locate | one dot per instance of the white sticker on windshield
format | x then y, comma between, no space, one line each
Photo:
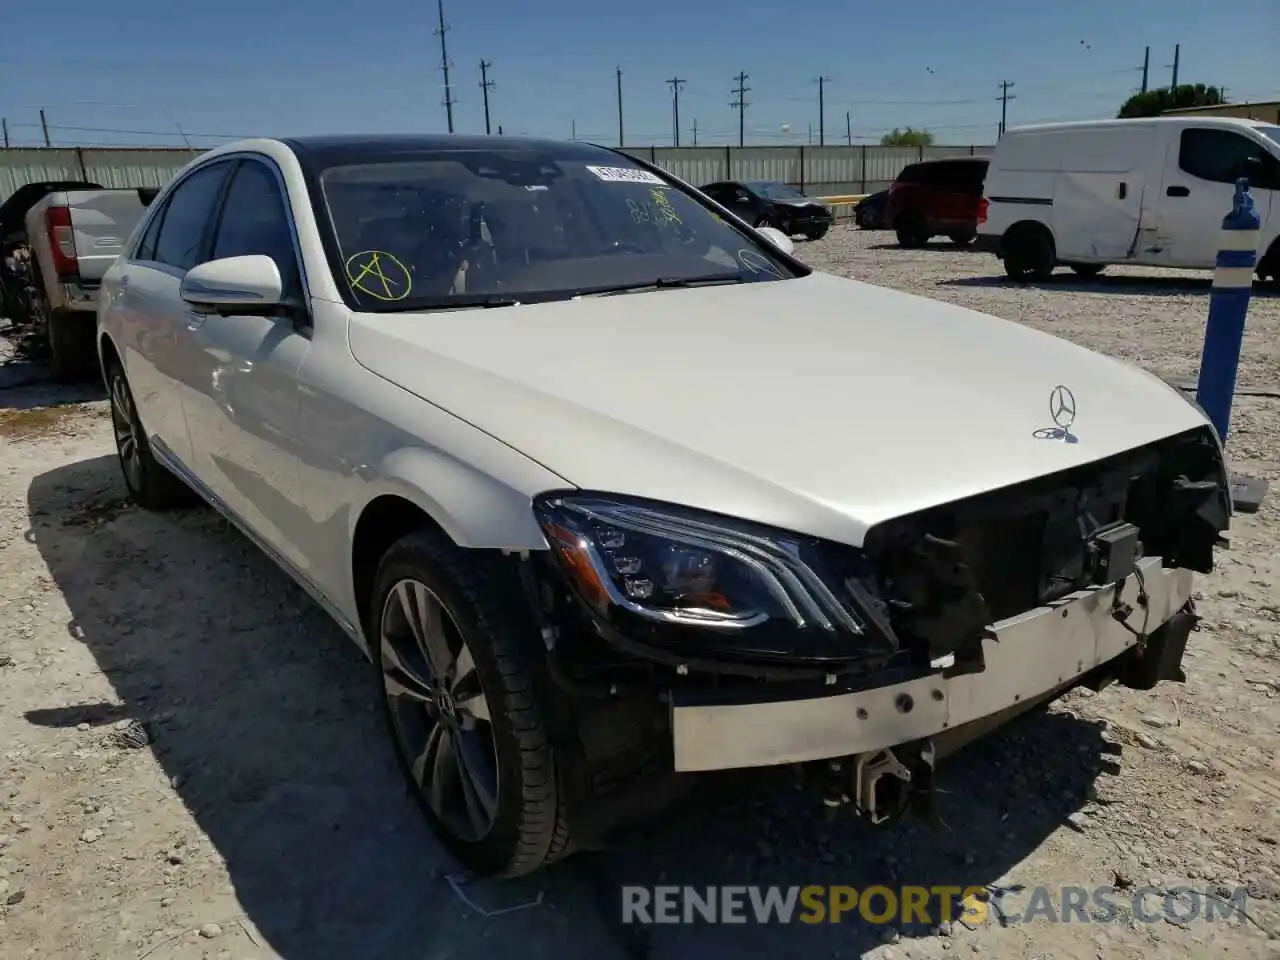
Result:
626,175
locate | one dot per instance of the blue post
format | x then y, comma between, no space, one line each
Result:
1228,306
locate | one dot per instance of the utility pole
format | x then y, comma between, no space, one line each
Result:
573,129
1146,68
695,131
44,125
1004,98
620,139
740,104
848,128
4,123
441,29
674,83
1177,55
485,85
822,111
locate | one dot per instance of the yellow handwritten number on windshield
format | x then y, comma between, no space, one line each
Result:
378,274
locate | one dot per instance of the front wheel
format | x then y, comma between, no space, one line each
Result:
816,233
762,221
458,697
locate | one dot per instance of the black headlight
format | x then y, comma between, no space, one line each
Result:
711,585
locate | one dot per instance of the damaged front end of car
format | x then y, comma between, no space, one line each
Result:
680,641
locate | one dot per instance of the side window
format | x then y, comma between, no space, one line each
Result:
912,173
147,246
255,221
741,193
1216,155
186,216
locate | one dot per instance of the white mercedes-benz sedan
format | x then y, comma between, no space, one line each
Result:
612,489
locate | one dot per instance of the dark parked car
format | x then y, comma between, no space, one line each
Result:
869,211
935,197
769,204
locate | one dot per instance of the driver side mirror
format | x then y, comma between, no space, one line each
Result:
250,284
778,239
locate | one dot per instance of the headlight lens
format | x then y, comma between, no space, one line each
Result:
670,566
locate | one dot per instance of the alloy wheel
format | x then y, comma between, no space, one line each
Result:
439,711
124,426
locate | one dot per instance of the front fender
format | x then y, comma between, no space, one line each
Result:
474,508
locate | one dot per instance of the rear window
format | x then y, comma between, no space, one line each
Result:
961,174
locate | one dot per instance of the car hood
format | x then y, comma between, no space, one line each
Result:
820,405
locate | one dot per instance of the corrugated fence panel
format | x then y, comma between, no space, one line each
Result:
885,163
695,165
765,163
832,170
135,168
943,153
19,167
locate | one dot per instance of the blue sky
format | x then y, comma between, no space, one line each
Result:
136,71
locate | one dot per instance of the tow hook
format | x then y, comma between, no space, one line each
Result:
885,784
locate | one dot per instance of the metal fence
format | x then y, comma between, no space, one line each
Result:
819,171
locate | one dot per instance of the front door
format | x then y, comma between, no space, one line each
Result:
1201,169
241,396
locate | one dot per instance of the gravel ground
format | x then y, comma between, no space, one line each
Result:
191,764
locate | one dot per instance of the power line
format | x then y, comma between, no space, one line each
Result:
740,104
822,111
1004,98
441,29
485,86
675,83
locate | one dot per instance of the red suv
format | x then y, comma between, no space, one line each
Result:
937,197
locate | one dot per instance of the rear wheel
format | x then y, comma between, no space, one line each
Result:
73,353
1269,268
1088,269
151,484
912,230
816,233
458,698
1028,254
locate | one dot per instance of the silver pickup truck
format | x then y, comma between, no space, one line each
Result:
71,233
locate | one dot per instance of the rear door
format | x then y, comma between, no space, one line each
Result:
1200,171
955,188
101,221
154,312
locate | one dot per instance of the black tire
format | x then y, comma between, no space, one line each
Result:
816,233
151,484
762,221
526,827
1028,255
73,349
962,239
1087,270
1269,268
912,231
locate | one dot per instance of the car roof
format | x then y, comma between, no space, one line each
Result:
1184,119
355,148
934,161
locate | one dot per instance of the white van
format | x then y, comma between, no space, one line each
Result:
1148,192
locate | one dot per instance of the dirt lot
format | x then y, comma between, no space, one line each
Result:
191,764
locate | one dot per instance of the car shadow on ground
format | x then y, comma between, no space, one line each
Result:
263,715
933,246
1105,283
25,385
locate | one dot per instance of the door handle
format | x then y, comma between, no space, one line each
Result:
1124,190
1176,191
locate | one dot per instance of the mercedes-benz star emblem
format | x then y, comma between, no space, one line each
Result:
1062,407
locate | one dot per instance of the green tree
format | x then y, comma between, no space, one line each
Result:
907,138
1155,102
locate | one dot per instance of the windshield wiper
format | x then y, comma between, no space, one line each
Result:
711,279
462,301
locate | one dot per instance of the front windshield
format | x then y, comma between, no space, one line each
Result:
775,191
463,227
